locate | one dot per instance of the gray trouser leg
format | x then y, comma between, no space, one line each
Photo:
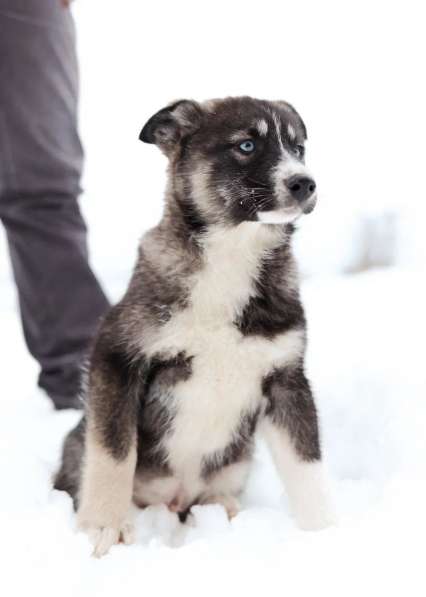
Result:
40,166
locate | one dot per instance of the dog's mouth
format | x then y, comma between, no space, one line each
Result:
287,214
310,204
279,216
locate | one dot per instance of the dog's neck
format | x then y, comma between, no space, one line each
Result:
222,260
184,220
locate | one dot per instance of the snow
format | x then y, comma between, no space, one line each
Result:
366,364
366,329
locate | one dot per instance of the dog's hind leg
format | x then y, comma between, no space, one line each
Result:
68,477
225,486
291,431
229,502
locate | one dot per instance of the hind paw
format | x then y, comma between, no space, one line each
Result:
229,502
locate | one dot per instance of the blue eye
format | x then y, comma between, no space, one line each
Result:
247,146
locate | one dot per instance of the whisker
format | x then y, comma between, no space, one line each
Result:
261,184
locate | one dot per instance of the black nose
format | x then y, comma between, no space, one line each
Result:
300,187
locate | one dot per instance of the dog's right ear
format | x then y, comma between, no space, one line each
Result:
170,125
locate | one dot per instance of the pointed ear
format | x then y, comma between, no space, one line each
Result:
172,124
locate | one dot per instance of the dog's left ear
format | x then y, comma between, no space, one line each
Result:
170,125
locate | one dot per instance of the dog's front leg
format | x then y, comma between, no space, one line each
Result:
106,492
291,430
110,453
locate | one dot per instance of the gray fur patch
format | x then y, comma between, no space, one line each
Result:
291,406
241,447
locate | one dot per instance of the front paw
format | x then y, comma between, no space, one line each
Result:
104,537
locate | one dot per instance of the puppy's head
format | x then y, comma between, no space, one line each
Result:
237,159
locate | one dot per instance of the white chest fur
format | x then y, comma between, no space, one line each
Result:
227,368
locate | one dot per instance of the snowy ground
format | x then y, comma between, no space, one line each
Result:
366,361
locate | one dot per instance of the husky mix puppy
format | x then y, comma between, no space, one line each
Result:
207,346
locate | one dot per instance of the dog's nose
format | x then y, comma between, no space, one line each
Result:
300,187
